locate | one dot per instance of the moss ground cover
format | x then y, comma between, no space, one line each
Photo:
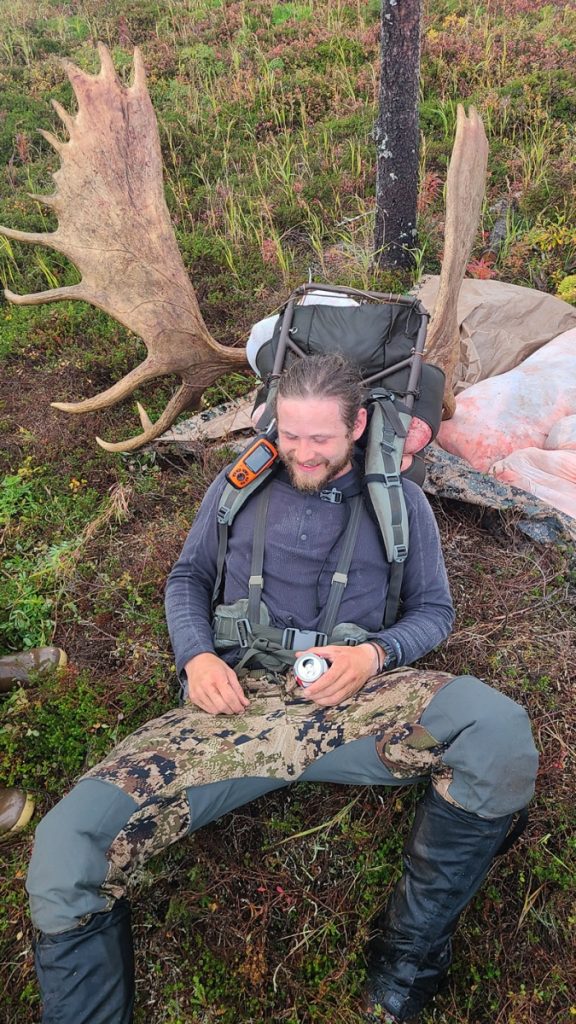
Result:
265,113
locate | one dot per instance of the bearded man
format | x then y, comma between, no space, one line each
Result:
302,569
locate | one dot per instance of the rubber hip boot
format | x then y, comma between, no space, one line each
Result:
446,860
86,975
16,809
19,669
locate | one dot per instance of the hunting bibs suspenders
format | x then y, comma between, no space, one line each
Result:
246,623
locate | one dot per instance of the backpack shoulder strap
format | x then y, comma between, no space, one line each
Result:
231,501
386,435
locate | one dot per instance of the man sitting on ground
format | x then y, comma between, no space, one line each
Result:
247,727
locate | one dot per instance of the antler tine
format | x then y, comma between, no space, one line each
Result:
45,200
140,375
73,291
139,81
107,69
65,117
54,141
185,398
36,237
144,417
82,80
464,194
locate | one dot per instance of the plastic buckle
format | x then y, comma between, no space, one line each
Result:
391,479
400,553
244,631
388,441
223,515
302,639
333,496
387,446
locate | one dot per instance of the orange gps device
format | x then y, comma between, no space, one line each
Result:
258,457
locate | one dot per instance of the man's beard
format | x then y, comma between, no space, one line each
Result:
315,483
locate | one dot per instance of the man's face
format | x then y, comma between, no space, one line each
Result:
314,442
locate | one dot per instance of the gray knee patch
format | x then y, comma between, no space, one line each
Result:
354,764
490,746
69,861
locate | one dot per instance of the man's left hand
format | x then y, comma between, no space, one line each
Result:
350,668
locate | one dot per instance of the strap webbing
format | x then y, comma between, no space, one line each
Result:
256,581
231,501
220,560
340,576
269,654
393,595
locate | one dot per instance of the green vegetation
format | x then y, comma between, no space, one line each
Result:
265,113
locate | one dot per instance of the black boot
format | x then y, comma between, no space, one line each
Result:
445,861
86,975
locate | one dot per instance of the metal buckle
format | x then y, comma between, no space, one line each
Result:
244,631
302,639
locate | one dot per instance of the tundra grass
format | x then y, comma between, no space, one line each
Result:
265,114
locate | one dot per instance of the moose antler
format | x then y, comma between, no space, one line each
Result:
113,223
464,194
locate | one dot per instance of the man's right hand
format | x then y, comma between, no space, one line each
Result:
213,686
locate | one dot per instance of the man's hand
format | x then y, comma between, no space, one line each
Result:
350,668
213,686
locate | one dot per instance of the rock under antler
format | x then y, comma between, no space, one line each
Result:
464,194
113,223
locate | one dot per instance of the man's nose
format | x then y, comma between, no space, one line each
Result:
304,451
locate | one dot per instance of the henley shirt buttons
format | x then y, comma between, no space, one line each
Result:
308,511
304,536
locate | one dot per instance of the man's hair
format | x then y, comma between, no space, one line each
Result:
328,375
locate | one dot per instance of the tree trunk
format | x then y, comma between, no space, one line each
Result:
397,134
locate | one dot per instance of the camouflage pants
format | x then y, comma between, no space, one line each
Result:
187,768
278,736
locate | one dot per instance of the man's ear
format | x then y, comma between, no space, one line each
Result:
360,423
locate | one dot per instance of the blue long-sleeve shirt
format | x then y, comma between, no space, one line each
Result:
302,543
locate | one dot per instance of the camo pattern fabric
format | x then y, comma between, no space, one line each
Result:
277,736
